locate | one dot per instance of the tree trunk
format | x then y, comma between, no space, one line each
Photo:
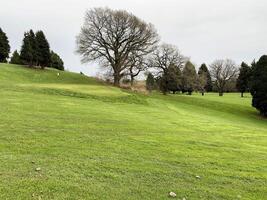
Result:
116,80
220,93
173,92
202,93
242,94
132,81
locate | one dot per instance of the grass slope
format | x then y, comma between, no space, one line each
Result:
94,141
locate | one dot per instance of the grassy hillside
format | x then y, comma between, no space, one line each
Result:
93,141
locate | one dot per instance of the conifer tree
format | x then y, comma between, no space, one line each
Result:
173,78
56,61
15,59
33,43
258,85
189,79
4,47
42,50
242,83
27,51
205,71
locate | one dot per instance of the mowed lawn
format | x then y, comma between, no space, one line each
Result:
93,141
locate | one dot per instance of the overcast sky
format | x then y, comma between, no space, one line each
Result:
203,30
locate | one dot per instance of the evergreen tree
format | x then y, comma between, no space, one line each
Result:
202,81
242,83
189,78
150,82
56,61
173,78
162,83
4,47
27,51
33,43
15,59
42,50
258,85
204,70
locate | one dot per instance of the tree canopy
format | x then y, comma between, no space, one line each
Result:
259,85
27,50
111,36
42,50
56,61
189,80
15,59
4,46
204,74
243,79
223,71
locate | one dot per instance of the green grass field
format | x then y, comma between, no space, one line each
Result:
94,141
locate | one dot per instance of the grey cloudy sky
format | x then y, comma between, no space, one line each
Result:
203,30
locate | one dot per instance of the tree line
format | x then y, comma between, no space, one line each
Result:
125,45
35,51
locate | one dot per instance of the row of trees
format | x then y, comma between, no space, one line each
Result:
126,45
174,72
186,80
35,51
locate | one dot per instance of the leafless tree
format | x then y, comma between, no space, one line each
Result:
166,55
222,71
110,36
137,64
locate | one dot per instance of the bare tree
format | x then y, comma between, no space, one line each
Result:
222,71
137,64
166,55
110,36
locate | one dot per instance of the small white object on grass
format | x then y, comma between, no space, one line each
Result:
57,74
198,177
172,194
38,169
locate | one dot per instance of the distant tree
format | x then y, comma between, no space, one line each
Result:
202,72
4,47
189,78
223,71
242,83
231,85
43,50
27,51
33,43
162,83
150,82
15,59
258,85
165,56
111,36
137,64
168,61
202,81
173,79
56,61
